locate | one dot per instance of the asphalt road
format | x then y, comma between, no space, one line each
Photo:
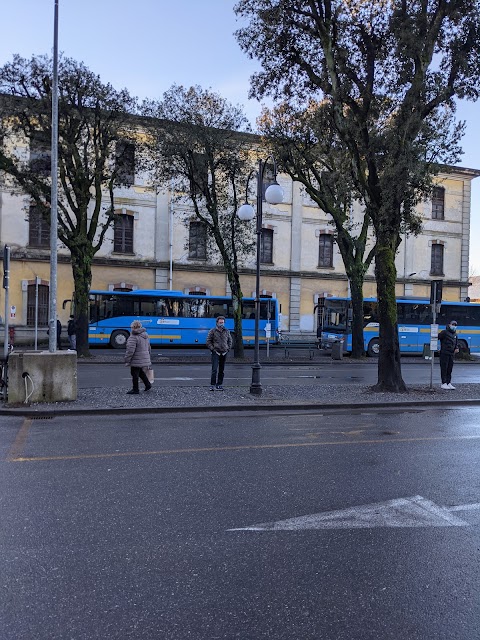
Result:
187,374
171,527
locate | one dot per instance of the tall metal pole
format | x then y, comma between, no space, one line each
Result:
52,322
37,282
6,286
256,386
434,318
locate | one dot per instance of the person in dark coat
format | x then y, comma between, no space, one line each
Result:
219,341
59,333
448,348
72,333
137,356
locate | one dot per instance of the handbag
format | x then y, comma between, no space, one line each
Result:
150,374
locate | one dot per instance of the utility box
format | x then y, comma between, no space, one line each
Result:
42,376
337,350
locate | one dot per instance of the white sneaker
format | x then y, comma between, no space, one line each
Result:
450,386
444,386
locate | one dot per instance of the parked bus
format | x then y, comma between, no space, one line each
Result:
414,320
173,317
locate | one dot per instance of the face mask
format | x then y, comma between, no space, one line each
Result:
220,324
452,327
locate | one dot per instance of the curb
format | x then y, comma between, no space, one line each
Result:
233,408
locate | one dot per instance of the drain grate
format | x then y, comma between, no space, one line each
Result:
41,417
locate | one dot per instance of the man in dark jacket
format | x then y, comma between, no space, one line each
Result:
72,333
448,348
219,341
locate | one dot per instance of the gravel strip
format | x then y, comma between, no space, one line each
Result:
323,395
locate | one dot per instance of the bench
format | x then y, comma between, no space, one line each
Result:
299,342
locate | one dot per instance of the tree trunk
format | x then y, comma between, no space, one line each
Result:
389,367
356,291
238,349
82,278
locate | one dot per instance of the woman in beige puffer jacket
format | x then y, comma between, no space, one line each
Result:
137,356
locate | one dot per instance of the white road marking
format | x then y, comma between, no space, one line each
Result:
403,512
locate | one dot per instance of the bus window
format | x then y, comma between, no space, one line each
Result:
414,313
147,307
197,308
121,306
218,309
370,313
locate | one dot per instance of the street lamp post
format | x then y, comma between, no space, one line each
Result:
273,195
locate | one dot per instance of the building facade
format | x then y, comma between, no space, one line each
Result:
157,243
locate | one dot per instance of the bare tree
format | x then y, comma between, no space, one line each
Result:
93,118
308,149
200,143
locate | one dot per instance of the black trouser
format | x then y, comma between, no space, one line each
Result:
138,372
218,366
446,366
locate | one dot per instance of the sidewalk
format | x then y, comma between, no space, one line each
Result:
188,399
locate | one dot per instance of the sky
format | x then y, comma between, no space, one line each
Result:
148,45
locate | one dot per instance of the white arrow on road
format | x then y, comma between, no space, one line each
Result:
403,512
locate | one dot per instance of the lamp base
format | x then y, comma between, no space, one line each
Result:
256,386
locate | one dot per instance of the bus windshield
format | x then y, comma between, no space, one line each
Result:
335,316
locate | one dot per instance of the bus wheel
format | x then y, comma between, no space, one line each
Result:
373,348
118,339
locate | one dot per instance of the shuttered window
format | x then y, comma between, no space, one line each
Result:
266,246
437,260
42,305
197,241
125,163
123,233
438,203
38,228
325,250
40,161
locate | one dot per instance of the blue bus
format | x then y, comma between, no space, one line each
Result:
414,320
173,317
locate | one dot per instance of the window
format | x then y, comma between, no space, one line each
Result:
123,233
198,174
266,246
325,252
40,154
125,163
38,228
437,260
438,203
42,305
197,241
268,179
